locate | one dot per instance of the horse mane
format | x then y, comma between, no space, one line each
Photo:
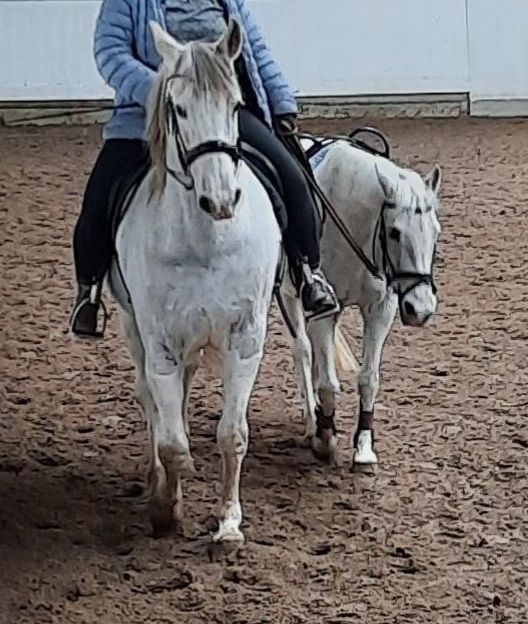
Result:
156,134
211,74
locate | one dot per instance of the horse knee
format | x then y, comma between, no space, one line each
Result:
232,439
301,349
175,458
368,380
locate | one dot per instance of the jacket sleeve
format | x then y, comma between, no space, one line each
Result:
114,57
280,95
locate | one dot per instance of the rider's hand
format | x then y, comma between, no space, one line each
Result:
286,124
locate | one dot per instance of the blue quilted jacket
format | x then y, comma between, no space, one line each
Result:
127,60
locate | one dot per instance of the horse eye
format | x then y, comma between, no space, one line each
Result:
394,234
181,112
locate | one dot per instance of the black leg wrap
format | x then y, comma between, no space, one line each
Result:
324,422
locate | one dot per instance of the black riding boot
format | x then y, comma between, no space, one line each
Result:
84,318
317,295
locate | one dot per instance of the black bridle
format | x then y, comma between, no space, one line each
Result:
188,156
393,275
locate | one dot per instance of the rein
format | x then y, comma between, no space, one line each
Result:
70,113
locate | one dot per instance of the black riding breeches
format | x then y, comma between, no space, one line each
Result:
92,239
302,221
92,243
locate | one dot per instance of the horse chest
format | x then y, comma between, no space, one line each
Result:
205,298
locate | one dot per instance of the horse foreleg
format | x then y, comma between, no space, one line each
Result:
322,334
302,356
232,437
135,346
377,319
143,394
169,440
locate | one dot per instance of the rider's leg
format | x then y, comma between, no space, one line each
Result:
317,295
92,241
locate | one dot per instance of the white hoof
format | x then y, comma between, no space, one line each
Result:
364,458
228,531
234,536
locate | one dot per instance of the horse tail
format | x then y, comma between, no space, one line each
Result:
346,361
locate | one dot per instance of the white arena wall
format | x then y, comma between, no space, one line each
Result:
328,49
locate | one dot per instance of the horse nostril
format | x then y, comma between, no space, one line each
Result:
206,204
409,309
395,235
238,196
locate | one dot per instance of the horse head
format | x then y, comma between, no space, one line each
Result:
409,230
193,118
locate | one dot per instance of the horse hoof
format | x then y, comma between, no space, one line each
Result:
365,468
305,442
225,546
224,543
232,536
364,458
161,518
228,530
325,448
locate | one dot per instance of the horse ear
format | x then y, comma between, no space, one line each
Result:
386,185
231,43
433,179
168,48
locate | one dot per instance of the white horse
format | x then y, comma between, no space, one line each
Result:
392,213
197,253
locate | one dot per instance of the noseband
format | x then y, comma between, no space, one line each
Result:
395,277
188,156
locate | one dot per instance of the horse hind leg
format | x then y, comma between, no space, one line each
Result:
302,356
378,319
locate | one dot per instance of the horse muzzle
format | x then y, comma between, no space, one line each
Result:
220,210
417,306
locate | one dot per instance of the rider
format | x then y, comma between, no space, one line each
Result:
127,60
